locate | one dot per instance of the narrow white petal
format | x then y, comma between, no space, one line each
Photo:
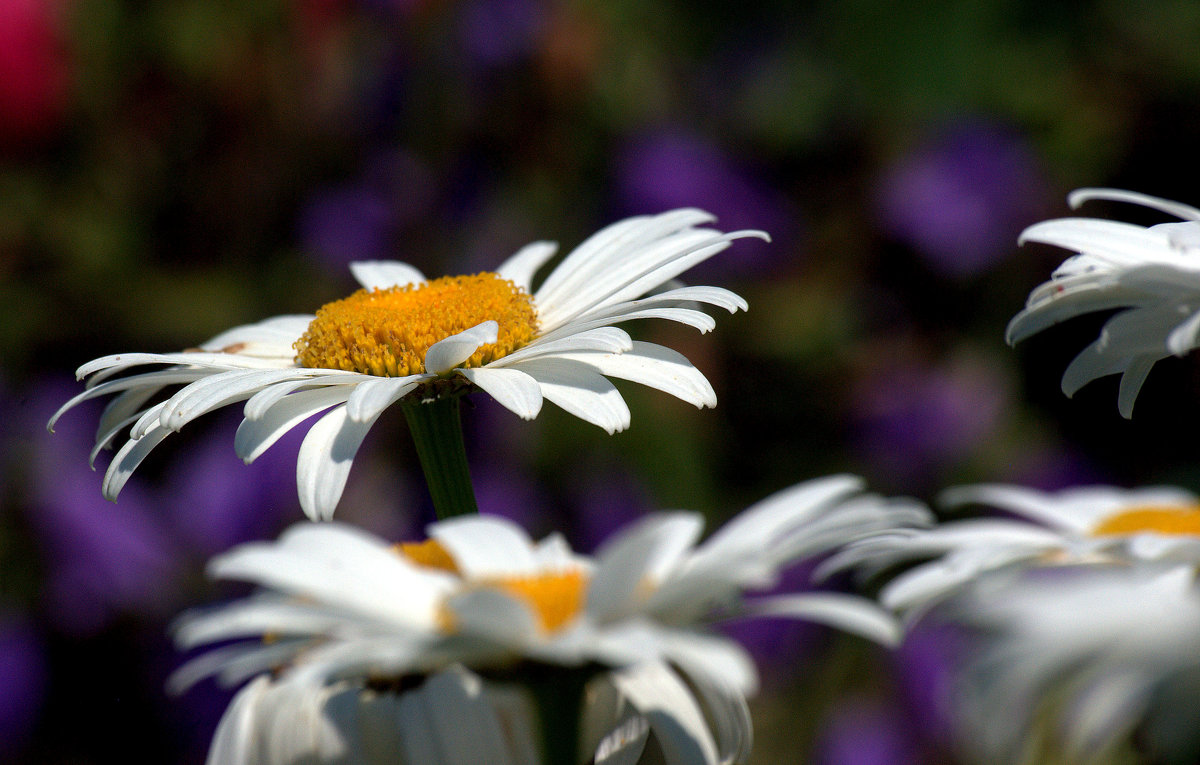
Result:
1131,383
127,458
521,267
236,739
1183,338
486,546
371,397
273,336
449,352
216,391
511,388
260,403
143,385
324,462
667,704
641,555
658,367
1079,196
846,612
604,338
255,436
580,390
381,274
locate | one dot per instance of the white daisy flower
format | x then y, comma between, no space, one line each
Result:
341,605
1094,524
1152,272
1071,665
404,337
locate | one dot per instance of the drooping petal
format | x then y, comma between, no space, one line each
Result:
324,461
255,436
511,388
446,354
580,390
382,274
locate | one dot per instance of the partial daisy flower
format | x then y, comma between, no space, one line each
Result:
340,605
1152,272
406,338
1082,665
1093,524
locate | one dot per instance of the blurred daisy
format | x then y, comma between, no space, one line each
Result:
1094,524
1152,272
403,337
1071,665
340,605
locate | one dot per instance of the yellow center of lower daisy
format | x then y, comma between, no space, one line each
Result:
386,332
1182,521
555,598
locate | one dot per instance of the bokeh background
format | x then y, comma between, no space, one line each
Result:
169,169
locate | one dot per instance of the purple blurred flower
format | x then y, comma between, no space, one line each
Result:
865,733
607,498
778,645
499,32
669,169
101,558
23,678
214,501
926,669
361,220
912,420
961,199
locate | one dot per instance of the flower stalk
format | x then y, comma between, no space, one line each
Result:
436,428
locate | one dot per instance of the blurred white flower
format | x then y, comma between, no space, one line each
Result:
339,605
406,337
1074,661
1153,273
1093,524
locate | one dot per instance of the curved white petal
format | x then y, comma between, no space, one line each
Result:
382,274
580,390
846,612
511,388
324,461
255,436
446,354
522,266
655,366
371,397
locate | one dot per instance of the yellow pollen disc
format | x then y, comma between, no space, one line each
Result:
429,554
386,332
1183,521
555,598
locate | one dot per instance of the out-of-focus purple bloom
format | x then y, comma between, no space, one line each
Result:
926,669
23,679
511,493
215,501
865,733
102,557
911,420
500,32
778,645
669,169
362,219
961,199
606,499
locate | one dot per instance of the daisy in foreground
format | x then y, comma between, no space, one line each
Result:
342,610
1083,665
423,343
1085,525
1153,272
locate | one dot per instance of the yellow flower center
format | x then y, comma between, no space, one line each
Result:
1182,521
555,598
386,332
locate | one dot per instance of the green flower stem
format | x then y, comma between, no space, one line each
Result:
436,429
559,695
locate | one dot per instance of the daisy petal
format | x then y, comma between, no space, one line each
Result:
255,436
1186,212
382,274
371,397
448,353
511,388
324,462
657,367
667,704
847,612
127,458
580,390
524,264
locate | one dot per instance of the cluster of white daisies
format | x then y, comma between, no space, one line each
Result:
357,650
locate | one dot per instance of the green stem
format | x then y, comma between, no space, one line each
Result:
559,695
436,429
